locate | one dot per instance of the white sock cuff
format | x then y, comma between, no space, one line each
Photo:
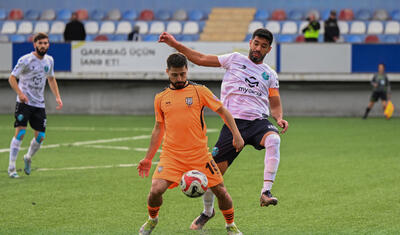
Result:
273,139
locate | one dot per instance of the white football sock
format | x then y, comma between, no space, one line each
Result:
208,200
14,149
271,160
33,148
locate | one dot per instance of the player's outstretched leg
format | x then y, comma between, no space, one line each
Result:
226,207
207,214
271,163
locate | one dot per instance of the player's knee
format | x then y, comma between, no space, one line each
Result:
40,137
272,140
20,134
220,192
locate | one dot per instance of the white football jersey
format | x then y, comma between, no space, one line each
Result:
244,90
32,73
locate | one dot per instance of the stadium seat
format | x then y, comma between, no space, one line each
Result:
363,14
3,38
273,26
180,15
146,15
16,14
390,38
372,39
354,38
261,15
32,15
3,15
120,37
144,27
289,27
253,26
296,15
64,14
151,38
89,37
346,14
101,38
163,15
300,38
302,25
107,27
343,27
190,37
375,27
395,15
82,14
174,27
129,15
48,14
381,14
114,14
157,27
123,27
278,14
315,13
392,27
97,15
57,27
17,38
41,26
9,27
190,27
56,38
91,27
282,38
196,15
357,27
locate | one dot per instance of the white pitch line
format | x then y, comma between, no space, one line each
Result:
118,148
90,167
116,129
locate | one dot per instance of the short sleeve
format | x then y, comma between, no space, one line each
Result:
157,109
226,60
209,99
51,74
274,81
19,67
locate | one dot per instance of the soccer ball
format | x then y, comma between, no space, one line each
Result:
194,183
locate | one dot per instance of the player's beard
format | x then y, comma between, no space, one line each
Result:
41,53
178,85
256,59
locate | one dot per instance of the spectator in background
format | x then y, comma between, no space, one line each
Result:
381,89
134,35
74,30
332,32
311,31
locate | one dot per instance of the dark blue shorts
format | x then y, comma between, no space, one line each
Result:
252,133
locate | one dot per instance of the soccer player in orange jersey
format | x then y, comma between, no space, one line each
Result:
179,112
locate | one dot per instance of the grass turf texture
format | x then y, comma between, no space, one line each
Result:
336,176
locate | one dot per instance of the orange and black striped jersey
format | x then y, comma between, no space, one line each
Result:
182,112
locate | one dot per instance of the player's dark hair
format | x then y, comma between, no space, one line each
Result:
263,33
40,36
176,60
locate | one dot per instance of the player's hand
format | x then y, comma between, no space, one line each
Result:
283,124
60,103
144,167
22,97
238,143
168,39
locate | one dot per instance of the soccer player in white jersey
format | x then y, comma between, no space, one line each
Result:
32,71
248,88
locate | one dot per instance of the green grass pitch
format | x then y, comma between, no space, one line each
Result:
336,176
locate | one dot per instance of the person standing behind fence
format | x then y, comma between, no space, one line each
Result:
311,31
74,30
381,89
332,31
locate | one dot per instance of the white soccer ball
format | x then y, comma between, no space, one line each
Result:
194,183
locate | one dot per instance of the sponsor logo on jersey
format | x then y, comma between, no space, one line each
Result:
243,67
189,100
246,90
251,83
265,76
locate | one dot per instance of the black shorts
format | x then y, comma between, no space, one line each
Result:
252,133
36,117
376,95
